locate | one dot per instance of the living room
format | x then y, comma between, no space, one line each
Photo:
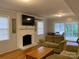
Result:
51,22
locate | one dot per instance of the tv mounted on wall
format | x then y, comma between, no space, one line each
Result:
28,20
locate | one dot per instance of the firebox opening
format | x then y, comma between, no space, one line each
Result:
27,39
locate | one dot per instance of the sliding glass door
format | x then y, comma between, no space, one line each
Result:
71,31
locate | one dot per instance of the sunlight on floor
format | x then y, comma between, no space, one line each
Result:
72,43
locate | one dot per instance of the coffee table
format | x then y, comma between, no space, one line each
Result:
39,53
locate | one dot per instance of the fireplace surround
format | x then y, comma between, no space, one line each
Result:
23,35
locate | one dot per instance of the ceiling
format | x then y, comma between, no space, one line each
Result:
73,4
41,8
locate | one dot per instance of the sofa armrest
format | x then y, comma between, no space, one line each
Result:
62,45
63,41
41,41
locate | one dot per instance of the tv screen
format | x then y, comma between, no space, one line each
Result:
28,20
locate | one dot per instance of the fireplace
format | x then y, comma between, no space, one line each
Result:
27,39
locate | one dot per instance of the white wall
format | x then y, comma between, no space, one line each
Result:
50,22
12,43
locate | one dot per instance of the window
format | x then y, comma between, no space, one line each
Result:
40,27
4,28
59,27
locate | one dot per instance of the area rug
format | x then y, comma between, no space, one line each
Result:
69,54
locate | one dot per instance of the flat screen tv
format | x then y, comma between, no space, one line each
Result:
28,20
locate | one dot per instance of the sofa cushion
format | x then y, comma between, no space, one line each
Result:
51,44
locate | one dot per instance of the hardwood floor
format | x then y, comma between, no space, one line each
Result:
17,54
